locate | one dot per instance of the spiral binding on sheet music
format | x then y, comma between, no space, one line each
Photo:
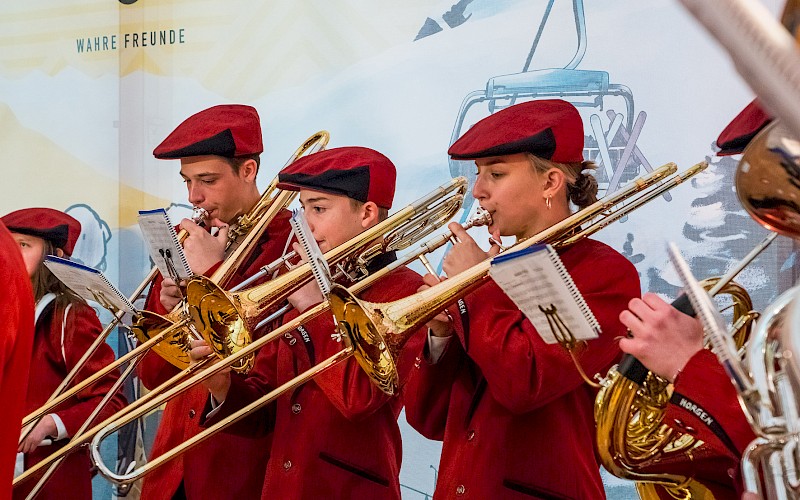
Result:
573,289
89,283
319,267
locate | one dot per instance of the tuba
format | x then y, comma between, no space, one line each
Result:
632,440
768,185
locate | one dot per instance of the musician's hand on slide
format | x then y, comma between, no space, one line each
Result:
440,325
46,427
170,293
662,338
309,294
219,383
202,249
466,253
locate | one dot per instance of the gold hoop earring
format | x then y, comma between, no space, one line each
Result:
548,203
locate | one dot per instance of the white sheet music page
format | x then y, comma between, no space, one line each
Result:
89,283
536,281
314,256
163,245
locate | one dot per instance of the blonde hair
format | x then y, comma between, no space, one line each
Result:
581,184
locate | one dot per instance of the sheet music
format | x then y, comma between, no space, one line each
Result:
319,266
537,282
89,283
163,245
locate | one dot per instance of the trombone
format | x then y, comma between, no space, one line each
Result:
403,229
373,350
263,211
29,422
241,238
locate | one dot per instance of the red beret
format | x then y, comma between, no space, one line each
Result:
229,130
738,134
551,129
55,226
362,174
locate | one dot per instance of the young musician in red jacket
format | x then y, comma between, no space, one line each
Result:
219,150
65,328
335,437
704,402
515,416
16,342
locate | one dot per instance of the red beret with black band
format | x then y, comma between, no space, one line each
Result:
741,130
227,130
52,225
551,129
362,174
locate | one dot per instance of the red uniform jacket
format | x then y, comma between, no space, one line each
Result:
704,404
223,466
50,363
336,436
16,341
515,416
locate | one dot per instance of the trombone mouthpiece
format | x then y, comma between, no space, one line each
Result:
199,216
481,218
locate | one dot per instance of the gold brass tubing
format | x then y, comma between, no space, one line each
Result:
142,348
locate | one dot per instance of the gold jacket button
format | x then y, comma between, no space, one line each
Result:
287,465
460,489
296,408
191,413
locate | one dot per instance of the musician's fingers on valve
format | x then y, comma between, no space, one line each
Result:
466,253
204,250
663,338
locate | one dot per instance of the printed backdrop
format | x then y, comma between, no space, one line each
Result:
87,90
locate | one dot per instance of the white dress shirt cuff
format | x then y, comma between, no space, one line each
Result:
62,430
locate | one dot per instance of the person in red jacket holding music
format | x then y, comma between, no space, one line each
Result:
219,150
16,342
336,437
704,402
65,328
514,414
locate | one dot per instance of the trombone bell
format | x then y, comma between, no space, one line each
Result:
218,320
174,349
373,352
